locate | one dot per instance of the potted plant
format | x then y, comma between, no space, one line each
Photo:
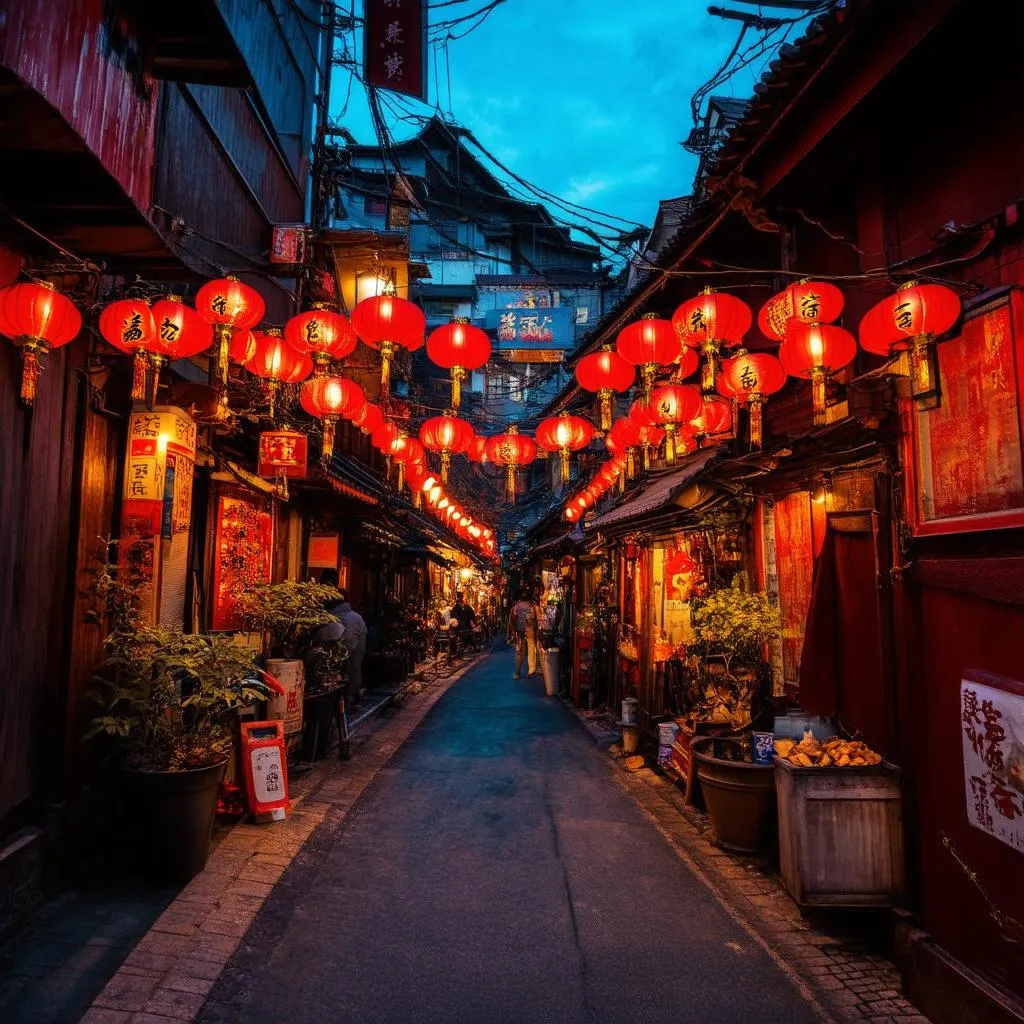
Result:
167,699
286,615
731,630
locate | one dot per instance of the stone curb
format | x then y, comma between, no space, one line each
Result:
844,980
168,975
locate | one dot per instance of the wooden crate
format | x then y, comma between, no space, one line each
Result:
840,835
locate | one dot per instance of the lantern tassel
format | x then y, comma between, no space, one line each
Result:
647,455
606,408
140,370
818,379
710,367
156,362
327,448
649,372
446,461
417,498
621,482
921,378
631,463
458,376
270,389
565,454
400,479
387,350
756,401
223,334
510,483
30,369
670,443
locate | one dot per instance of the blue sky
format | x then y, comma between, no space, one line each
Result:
588,99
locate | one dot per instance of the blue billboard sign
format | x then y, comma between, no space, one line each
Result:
532,328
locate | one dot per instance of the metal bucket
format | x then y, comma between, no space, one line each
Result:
549,667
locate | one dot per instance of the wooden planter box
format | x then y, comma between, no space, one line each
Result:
840,835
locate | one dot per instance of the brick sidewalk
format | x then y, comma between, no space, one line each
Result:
848,979
167,977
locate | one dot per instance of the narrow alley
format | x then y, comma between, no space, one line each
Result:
494,870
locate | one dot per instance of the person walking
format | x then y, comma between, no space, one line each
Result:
465,618
353,636
522,634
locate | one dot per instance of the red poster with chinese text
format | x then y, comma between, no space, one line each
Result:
395,41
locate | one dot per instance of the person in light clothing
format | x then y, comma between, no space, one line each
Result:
522,634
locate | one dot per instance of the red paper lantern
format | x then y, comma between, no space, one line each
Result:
385,322
458,347
228,305
477,451
369,419
324,333
686,365
564,434
754,376
806,302
129,326
328,399
715,416
446,434
242,347
181,332
276,362
511,450
406,452
38,318
605,372
622,441
384,437
674,405
911,319
708,322
649,343
816,352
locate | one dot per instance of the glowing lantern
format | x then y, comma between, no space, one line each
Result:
415,477
37,318
606,373
228,305
649,434
754,376
276,362
446,434
649,343
458,347
386,322
714,417
816,352
369,418
511,450
477,451
708,322
564,434
570,513
406,451
180,331
322,332
910,320
806,302
242,347
674,405
328,399
686,365
622,440
129,326
384,437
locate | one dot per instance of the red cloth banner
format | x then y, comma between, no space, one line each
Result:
395,41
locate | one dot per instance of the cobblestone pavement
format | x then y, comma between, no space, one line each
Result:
845,970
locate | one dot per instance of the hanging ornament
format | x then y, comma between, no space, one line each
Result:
276,362
674,406
242,348
622,440
228,305
181,333
415,478
511,450
606,373
328,399
650,435
477,451
715,417
324,333
817,352
806,302
650,343
446,435
459,348
369,418
686,365
711,321
129,326
910,320
564,434
386,322
754,376
406,451
37,318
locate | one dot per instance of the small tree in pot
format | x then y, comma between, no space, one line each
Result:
286,613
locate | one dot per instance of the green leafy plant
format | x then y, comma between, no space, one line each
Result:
324,665
289,612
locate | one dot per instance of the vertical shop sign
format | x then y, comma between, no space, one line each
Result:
992,726
243,555
395,46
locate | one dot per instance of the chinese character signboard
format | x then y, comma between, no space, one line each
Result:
288,243
282,453
243,554
992,726
322,551
540,328
395,40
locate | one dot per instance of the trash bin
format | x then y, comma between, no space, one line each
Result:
550,669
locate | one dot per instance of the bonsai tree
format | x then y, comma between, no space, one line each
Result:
289,612
731,627
166,696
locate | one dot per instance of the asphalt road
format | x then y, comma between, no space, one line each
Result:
495,872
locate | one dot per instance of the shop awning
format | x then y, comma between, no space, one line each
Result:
421,551
659,493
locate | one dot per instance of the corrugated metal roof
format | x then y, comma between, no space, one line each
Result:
658,493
